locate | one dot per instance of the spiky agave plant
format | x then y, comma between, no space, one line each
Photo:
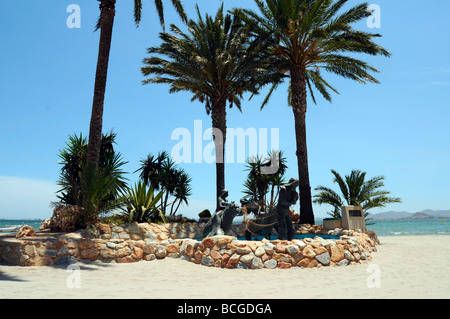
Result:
140,204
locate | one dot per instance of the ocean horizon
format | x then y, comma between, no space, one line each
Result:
391,227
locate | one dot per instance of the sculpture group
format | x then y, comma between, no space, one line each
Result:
277,218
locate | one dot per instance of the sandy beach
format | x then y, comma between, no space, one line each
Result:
403,267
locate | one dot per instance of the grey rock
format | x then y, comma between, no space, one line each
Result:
151,235
161,252
241,265
348,255
271,264
292,249
343,262
257,263
324,258
111,245
207,261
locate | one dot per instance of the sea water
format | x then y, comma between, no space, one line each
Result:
13,225
410,227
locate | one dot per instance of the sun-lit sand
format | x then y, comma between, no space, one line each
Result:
403,267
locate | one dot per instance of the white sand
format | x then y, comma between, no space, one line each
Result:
403,267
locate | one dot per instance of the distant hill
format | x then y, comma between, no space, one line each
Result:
390,215
427,213
420,216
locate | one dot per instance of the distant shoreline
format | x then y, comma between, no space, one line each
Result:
25,219
409,218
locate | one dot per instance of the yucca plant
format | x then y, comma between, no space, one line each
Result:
99,195
258,185
140,204
96,196
162,173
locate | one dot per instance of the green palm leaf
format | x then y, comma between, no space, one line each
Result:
355,190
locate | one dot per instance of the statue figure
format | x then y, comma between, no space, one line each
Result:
277,218
288,196
221,221
261,225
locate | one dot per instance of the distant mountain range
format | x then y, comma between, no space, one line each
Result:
425,214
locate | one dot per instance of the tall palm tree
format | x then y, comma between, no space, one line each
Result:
217,63
105,24
355,190
311,37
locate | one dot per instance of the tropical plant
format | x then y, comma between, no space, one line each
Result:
310,37
162,173
257,185
355,191
217,63
95,196
182,191
100,195
140,204
105,24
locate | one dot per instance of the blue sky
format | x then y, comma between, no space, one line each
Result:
399,128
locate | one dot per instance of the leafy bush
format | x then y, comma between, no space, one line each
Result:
96,190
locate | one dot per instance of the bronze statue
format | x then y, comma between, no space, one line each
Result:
277,218
288,196
262,225
221,221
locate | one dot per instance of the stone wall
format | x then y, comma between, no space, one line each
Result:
138,242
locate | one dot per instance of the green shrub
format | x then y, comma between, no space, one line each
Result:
140,204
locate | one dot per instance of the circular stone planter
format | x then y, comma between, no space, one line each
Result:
332,223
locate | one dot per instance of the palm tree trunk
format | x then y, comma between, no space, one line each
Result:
219,125
165,202
298,90
107,12
178,206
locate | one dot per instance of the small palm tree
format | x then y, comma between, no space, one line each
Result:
151,169
217,63
310,37
182,191
258,185
355,190
162,173
105,24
